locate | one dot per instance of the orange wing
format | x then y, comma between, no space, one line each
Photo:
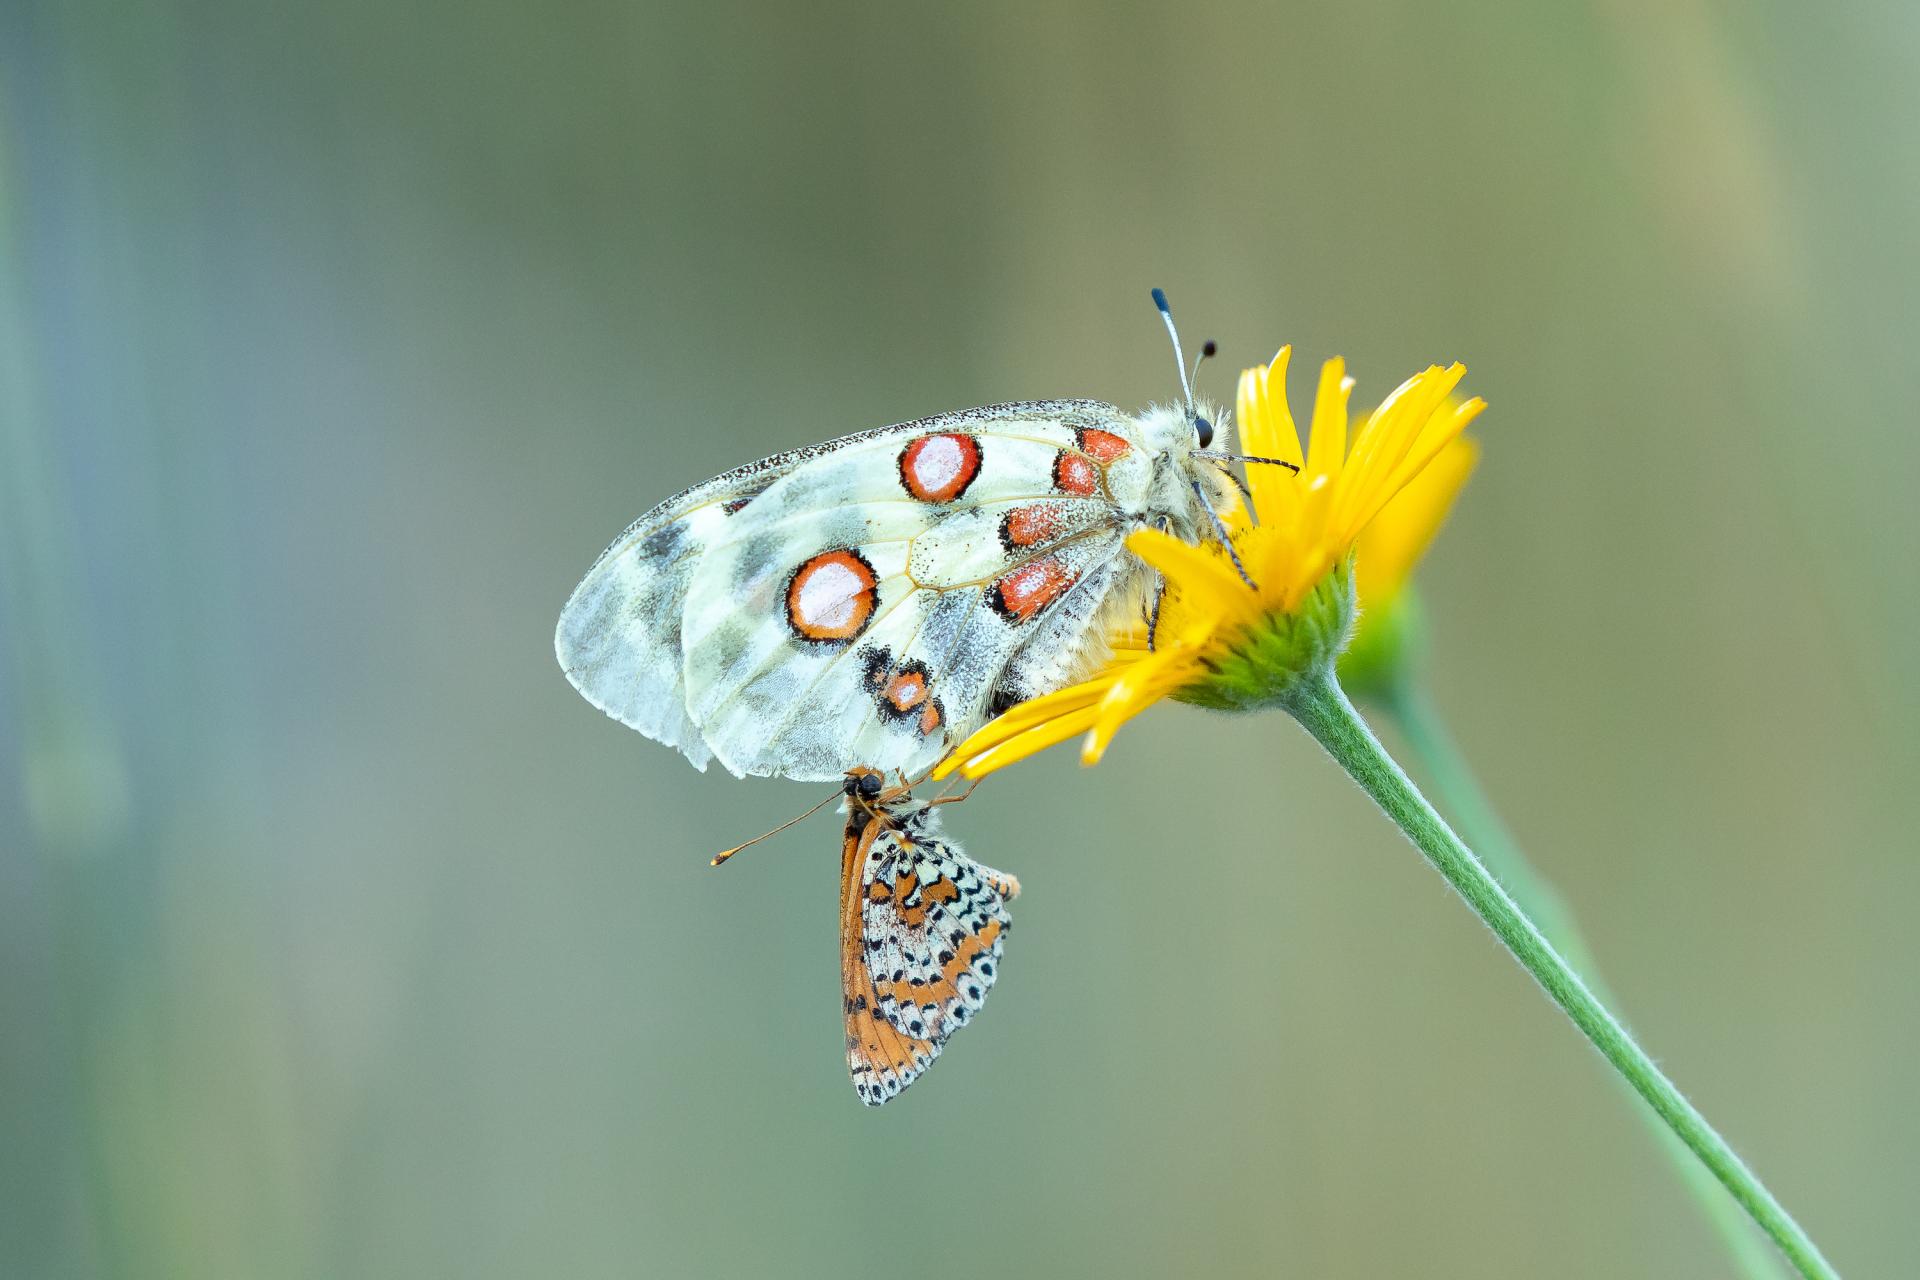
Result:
881,1060
921,931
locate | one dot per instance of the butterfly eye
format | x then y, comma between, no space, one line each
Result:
1203,429
870,784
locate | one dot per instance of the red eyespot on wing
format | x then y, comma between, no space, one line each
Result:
907,690
938,468
1102,446
832,596
1027,590
904,693
1074,473
1031,526
932,716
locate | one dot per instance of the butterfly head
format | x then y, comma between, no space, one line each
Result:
869,796
864,784
1190,489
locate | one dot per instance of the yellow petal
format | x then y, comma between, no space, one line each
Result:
1267,431
1029,743
1198,572
1327,437
1021,718
1134,691
1385,441
1440,430
1399,535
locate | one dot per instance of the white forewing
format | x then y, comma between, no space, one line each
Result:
872,600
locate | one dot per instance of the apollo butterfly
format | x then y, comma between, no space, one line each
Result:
875,599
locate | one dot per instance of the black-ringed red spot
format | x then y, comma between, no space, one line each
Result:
1020,595
831,597
939,467
1075,473
906,689
1102,446
905,695
1030,526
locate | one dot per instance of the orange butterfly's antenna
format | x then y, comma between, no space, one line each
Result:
724,854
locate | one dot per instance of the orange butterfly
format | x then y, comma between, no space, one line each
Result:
921,930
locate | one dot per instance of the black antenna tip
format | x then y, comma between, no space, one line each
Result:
1209,349
1160,300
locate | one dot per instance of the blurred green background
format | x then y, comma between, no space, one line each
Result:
339,937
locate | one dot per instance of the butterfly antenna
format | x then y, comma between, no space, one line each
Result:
1208,350
1179,357
1248,457
724,854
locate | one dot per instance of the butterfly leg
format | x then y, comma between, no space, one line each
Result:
971,787
1225,540
1234,476
1153,612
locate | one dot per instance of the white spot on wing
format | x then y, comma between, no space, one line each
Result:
827,595
937,463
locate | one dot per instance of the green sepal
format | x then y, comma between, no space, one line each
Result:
1265,664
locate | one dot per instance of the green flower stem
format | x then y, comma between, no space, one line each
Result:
1462,796
1322,708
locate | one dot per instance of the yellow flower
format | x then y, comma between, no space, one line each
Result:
1399,536
1221,643
1388,635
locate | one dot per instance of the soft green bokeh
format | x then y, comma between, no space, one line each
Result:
338,937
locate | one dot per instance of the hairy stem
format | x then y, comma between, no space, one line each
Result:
1322,708
1461,795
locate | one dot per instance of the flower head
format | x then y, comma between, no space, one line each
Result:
1240,642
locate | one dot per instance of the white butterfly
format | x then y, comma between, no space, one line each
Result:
875,599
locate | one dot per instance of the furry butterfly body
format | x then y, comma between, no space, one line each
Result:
873,600
922,926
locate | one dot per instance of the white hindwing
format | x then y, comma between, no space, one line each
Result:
872,600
